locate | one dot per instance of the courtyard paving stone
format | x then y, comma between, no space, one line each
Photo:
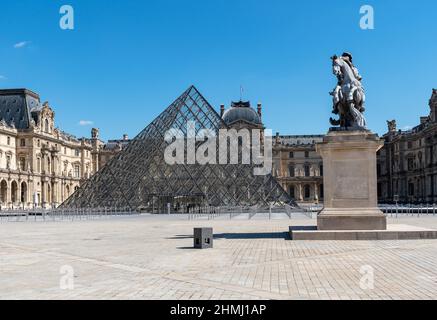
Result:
150,257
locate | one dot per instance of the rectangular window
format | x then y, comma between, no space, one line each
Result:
77,152
291,155
23,164
411,189
23,142
307,154
307,171
291,171
410,164
76,171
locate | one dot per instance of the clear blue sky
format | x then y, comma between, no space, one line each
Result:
127,60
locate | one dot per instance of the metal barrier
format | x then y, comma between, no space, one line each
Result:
41,214
394,210
231,212
214,212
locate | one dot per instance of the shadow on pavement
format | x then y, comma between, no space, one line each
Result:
266,235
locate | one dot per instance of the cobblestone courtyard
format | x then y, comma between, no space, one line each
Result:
150,257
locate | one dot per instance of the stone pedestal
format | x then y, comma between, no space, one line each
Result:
350,182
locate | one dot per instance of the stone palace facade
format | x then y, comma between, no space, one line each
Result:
298,167
407,165
40,165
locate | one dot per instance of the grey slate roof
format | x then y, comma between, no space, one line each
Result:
18,107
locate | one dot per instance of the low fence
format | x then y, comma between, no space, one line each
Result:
249,213
206,212
215,212
63,214
395,210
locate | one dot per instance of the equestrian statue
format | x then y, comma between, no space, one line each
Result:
348,96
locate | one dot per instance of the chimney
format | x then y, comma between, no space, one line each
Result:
259,110
222,110
423,120
433,105
125,137
277,138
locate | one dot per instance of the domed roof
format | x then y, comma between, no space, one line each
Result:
241,111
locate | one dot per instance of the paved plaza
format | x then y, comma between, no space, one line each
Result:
151,257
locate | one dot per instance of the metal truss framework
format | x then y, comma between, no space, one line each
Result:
139,178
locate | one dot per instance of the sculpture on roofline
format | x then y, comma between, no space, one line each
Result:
392,126
348,96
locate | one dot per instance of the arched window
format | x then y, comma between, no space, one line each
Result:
23,196
14,189
3,191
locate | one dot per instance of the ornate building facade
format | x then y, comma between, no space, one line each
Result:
40,165
407,165
298,167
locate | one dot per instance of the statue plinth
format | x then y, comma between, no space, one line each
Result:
350,181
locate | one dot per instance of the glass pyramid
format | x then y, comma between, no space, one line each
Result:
139,178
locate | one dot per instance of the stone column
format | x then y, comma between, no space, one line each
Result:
350,181
43,193
19,193
9,193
